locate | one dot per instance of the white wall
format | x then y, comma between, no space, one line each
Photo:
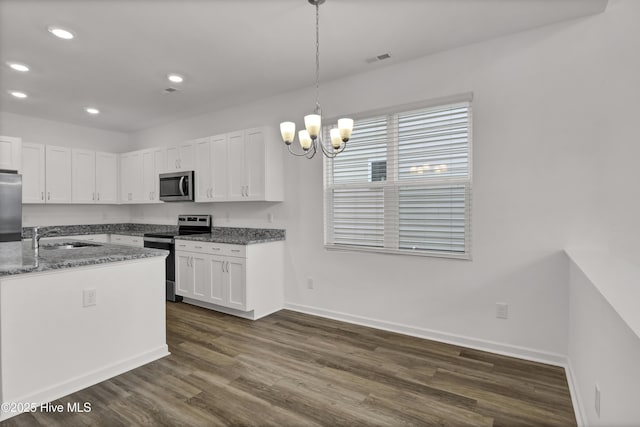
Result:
32,129
603,350
542,126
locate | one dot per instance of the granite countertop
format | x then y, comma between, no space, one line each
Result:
237,236
20,258
128,229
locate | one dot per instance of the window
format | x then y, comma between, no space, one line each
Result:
403,185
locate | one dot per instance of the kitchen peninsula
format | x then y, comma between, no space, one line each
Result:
76,313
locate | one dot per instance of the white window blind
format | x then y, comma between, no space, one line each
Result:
403,185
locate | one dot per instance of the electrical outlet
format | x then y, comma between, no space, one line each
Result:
502,310
597,400
309,282
88,297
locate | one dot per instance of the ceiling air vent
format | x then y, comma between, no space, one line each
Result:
381,57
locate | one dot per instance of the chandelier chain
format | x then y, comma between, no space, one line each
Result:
317,58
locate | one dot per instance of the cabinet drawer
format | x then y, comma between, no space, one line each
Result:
211,248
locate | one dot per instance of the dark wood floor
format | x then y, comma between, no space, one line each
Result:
292,369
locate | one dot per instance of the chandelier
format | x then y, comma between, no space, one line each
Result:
311,138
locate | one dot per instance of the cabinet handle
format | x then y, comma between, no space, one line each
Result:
198,247
42,195
181,246
150,196
98,196
215,249
48,195
175,163
246,191
93,196
235,250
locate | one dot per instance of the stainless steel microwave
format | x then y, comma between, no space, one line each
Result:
177,186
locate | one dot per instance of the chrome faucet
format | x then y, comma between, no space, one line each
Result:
36,235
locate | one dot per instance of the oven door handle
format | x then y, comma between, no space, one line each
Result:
181,185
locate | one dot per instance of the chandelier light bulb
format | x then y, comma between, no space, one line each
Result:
336,140
346,127
305,140
313,123
288,131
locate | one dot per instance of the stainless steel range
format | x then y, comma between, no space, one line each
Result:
187,224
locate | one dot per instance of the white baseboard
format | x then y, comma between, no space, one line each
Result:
78,383
578,407
445,337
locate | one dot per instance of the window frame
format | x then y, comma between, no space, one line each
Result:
391,198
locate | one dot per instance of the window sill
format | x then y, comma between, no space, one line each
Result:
387,251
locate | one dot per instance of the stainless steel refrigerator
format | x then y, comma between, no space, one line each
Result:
10,207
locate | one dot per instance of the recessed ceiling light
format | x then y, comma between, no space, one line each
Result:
18,94
18,67
61,32
175,78
92,110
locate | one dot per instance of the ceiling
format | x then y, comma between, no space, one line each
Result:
230,51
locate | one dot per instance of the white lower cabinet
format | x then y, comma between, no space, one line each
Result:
249,284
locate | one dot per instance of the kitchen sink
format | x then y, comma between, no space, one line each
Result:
68,245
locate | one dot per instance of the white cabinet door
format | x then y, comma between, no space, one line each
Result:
202,276
148,175
10,153
173,158
153,164
182,157
58,174
254,170
106,178
217,287
126,174
203,170
83,176
219,168
236,283
184,274
33,173
236,173
131,177
187,161
160,165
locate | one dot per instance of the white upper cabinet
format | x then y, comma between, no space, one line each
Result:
182,157
255,165
83,176
239,166
131,178
219,168
236,165
10,153
94,177
203,170
153,164
106,178
58,174
33,173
